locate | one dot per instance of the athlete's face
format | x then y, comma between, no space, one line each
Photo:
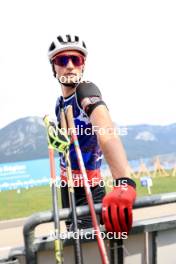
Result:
69,66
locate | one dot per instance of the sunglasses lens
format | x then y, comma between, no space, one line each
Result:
63,60
77,60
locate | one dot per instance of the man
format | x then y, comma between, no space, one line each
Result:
67,55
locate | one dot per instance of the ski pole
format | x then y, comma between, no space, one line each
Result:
77,244
58,246
101,244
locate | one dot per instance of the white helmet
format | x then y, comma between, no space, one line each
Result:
66,42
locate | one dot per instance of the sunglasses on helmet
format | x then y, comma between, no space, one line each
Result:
62,60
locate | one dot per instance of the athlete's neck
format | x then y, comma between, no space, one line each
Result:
67,91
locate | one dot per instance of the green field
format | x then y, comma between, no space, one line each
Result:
27,202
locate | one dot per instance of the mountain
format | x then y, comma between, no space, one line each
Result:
144,141
25,139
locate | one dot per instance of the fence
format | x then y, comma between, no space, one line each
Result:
144,239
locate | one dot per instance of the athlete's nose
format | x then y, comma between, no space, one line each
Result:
70,64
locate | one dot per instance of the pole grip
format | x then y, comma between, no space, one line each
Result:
70,118
63,120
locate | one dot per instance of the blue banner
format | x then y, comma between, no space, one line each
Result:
24,174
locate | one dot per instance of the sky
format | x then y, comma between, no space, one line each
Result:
132,56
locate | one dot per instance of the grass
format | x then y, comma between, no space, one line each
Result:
23,204
160,185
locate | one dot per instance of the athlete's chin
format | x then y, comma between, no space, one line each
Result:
73,78
70,82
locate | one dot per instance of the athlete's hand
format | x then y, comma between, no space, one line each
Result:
57,138
117,206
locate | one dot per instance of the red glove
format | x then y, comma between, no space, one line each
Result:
117,206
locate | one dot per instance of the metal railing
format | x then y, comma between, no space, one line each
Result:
31,248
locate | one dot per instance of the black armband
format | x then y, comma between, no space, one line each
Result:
124,181
88,97
89,109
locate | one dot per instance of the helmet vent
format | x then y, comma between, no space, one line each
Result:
60,39
84,45
52,46
76,38
68,38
